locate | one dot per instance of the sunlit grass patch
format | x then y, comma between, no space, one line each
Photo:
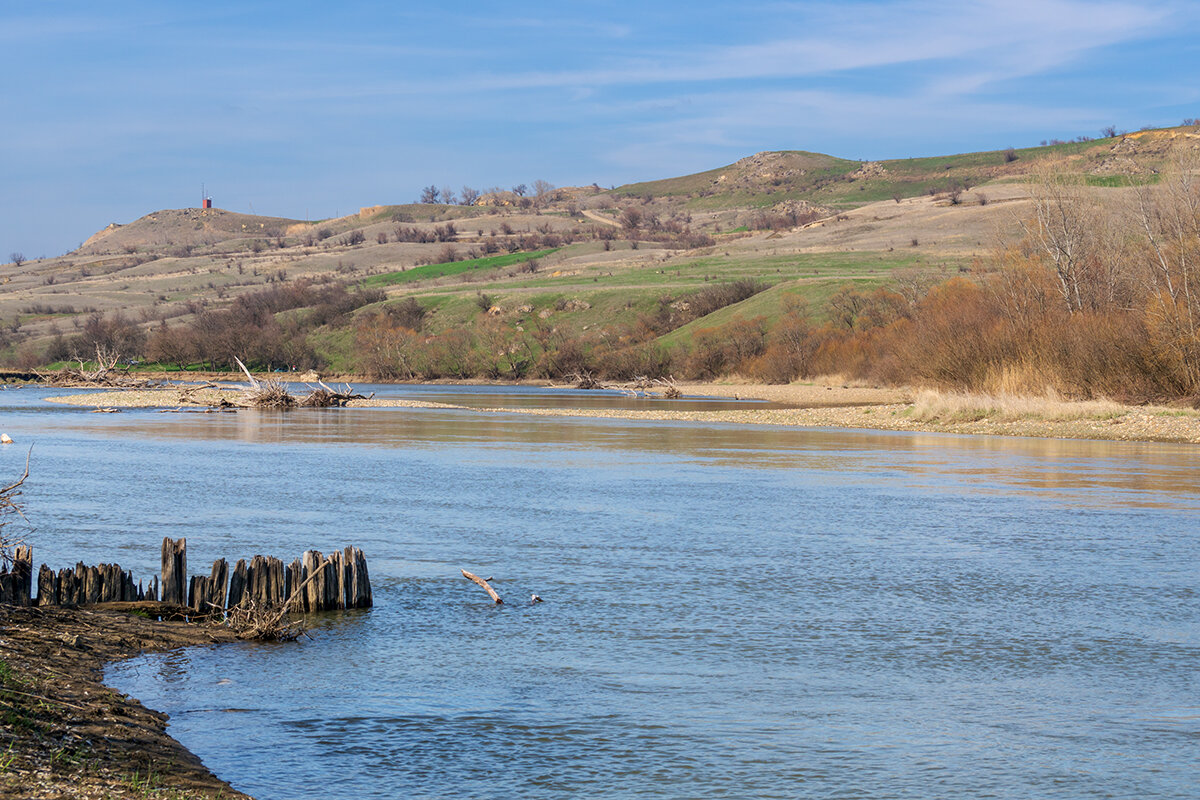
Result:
938,406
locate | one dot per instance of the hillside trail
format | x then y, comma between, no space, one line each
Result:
592,215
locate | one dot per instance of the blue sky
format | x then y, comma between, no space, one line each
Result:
313,109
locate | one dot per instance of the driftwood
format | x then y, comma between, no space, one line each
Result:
104,374
487,587
323,396
11,504
585,380
272,393
640,386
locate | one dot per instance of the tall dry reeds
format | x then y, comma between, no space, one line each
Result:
931,405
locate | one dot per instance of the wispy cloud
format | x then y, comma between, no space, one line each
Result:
1009,39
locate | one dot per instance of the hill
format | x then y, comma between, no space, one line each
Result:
573,260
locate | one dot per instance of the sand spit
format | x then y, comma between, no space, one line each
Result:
811,405
206,399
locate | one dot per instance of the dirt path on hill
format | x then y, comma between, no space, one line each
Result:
595,217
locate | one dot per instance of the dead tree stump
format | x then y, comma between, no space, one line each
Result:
174,571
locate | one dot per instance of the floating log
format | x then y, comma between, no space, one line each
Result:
487,587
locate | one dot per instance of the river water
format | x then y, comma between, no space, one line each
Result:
729,611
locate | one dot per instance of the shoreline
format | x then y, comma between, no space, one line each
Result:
67,734
807,405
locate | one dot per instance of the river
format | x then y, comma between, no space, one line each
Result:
742,612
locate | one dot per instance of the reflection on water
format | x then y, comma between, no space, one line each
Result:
730,612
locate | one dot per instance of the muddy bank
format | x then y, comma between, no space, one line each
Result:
66,734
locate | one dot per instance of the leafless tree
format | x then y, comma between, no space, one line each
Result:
1064,220
10,504
448,196
430,194
469,196
520,189
17,258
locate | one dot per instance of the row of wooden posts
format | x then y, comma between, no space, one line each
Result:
313,582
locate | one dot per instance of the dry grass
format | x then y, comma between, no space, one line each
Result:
935,406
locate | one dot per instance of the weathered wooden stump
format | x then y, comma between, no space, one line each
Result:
174,571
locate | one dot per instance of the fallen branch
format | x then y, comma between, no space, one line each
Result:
324,397
265,393
271,624
671,390
105,374
487,587
10,504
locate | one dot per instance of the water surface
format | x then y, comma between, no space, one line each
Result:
730,611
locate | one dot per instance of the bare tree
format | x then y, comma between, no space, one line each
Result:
448,196
1062,227
17,258
520,189
542,188
1168,216
1108,131
469,196
430,194
11,504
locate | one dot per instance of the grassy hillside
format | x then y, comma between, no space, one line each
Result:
613,257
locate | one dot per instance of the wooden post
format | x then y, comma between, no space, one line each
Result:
237,584
329,583
174,571
92,586
292,583
309,583
22,570
195,592
362,582
275,596
47,587
218,584
316,590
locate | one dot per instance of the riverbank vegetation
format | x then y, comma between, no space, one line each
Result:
1096,294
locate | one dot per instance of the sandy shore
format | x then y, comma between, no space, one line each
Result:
66,734
812,405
